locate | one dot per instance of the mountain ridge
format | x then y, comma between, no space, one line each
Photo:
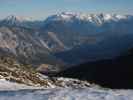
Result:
65,32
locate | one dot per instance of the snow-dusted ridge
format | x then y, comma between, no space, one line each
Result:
13,20
17,18
69,16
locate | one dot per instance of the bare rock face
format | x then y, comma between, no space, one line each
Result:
24,45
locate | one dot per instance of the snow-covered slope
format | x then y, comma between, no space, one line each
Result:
67,89
17,82
8,86
68,94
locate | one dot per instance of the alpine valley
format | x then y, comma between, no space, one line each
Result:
65,44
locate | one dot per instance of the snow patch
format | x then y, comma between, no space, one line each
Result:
7,85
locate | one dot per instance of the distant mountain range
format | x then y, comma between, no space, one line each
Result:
66,38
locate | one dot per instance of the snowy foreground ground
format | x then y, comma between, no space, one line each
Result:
14,91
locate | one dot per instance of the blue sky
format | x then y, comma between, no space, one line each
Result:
40,9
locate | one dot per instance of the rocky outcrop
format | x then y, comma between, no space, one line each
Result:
13,71
16,72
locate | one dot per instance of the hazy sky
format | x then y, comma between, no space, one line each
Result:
42,8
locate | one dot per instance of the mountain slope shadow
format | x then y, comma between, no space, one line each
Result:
116,73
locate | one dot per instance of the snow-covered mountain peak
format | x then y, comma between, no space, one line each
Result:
94,18
60,16
121,17
13,18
